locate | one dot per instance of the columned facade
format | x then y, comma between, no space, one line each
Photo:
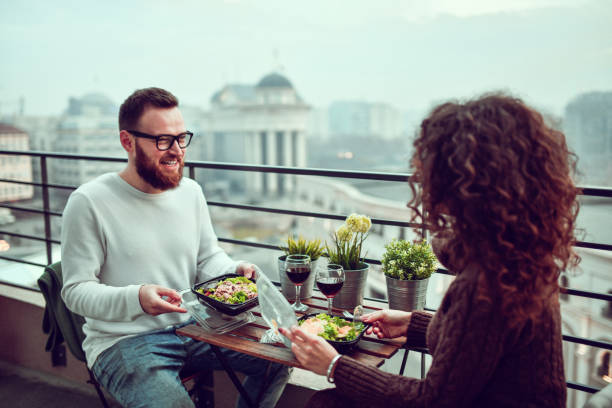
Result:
262,124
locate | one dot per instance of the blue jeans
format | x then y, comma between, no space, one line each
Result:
143,371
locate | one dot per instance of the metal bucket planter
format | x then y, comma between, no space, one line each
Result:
353,288
288,287
406,295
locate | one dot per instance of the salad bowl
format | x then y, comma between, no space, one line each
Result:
233,306
333,329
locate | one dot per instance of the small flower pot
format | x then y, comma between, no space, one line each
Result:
353,288
407,295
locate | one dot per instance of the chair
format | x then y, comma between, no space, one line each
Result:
422,350
62,325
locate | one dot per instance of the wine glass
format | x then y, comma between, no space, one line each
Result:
297,268
330,279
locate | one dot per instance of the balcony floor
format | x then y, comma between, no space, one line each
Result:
25,388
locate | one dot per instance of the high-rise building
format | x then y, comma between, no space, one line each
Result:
88,126
42,132
364,119
318,124
588,127
14,168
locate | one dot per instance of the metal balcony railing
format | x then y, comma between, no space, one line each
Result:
192,165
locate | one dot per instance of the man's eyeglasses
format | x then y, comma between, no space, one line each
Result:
164,142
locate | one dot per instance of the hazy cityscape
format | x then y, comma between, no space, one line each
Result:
323,87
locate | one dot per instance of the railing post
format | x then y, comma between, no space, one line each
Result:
191,172
422,365
46,208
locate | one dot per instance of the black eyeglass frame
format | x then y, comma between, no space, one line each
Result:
156,138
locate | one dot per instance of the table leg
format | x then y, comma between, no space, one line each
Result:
403,367
232,375
267,380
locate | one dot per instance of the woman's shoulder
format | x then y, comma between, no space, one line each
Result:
469,288
467,279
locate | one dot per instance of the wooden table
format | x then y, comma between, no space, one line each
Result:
370,350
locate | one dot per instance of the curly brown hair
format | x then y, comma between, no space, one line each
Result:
496,182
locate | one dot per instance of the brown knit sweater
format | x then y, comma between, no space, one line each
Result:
477,361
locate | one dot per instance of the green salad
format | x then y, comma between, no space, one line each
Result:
332,328
231,290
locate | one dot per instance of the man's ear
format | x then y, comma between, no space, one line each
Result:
127,141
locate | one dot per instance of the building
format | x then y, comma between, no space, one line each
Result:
364,119
88,126
591,318
318,124
257,124
15,167
42,133
588,127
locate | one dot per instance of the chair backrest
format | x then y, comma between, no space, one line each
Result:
60,323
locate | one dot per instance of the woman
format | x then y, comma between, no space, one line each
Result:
497,191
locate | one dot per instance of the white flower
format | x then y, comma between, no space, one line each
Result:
344,233
366,223
358,223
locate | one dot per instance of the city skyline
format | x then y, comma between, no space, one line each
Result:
408,54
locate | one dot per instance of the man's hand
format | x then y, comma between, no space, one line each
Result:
156,300
387,323
247,270
313,352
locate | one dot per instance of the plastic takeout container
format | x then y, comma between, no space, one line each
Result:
210,319
342,347
227,308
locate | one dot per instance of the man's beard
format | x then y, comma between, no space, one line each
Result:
152,174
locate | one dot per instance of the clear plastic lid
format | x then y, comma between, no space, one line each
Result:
210,319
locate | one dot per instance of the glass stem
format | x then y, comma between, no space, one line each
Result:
329,306
298,288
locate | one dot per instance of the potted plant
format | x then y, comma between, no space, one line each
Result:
300,246
347,251
407,267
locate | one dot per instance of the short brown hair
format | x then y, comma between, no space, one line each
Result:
132,108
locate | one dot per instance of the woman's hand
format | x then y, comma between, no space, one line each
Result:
313,352
155,300
387,323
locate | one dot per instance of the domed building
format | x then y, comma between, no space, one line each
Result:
276,89
258,124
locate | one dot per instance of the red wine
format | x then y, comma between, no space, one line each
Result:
298,274
330,286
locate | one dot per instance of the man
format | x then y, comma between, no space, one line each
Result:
129,239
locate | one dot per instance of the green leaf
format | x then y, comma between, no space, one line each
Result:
409,261
300,246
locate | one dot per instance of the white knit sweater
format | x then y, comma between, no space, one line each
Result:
116,238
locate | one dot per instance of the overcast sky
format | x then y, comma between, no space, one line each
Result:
408,53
